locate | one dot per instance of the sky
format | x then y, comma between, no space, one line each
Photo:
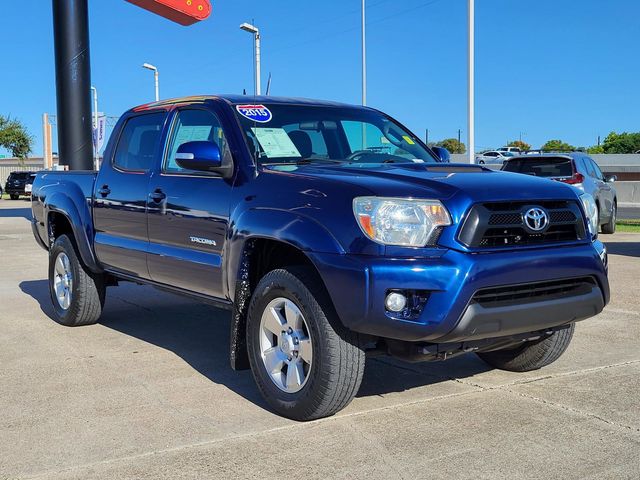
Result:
545,69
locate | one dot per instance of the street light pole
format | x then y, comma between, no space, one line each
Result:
364,53
471,82
96,154
156,77
247,27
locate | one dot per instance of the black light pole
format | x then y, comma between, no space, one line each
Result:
73,83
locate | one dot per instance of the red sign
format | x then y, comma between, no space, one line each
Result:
184,12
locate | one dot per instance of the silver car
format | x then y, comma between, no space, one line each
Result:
578,170
493,157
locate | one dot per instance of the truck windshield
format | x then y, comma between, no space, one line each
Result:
281,134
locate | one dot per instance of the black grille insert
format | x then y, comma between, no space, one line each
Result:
501,224
533,292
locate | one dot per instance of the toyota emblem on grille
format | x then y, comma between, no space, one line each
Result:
536,219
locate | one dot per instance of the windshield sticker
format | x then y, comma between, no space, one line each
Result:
255,113
408,139
275,142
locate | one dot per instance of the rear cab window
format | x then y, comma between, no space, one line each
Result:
546,167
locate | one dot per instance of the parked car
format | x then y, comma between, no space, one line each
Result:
28,186
578,170
510,149
16,183
326,246
493,157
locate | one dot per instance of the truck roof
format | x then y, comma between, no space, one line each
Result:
240,99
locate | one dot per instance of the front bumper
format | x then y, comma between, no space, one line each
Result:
358,285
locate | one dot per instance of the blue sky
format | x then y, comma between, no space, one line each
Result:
547,68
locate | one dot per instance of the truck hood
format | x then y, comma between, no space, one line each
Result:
466,183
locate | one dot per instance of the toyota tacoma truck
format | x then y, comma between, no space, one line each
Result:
330,232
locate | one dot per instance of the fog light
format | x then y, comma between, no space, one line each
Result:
395,302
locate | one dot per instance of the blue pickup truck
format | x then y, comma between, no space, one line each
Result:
331,232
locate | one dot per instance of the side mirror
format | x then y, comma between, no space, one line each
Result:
610,178
442,153
202,156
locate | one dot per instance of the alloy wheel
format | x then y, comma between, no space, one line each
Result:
63,281
285,345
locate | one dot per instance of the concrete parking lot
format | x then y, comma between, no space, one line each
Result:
148,393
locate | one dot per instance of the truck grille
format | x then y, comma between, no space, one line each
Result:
502,224
533,292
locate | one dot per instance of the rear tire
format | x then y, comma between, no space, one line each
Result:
77,295
532,355
330,358
14,197
610,226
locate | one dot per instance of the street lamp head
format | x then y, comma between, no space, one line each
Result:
148,66
247,27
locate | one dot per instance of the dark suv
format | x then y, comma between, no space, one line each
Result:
16,185
578,170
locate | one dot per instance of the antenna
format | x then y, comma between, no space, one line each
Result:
269,85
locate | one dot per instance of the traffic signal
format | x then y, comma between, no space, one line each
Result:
184,12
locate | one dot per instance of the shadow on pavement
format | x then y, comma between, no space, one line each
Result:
627,249
199,334
16,213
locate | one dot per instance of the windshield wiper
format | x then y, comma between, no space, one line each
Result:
307,161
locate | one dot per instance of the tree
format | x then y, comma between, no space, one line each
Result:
14,137
595,149
621,142
524,146
453,145
557,146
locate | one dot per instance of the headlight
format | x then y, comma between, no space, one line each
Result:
400,221
591,210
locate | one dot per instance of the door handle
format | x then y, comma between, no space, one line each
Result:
157,195
104,191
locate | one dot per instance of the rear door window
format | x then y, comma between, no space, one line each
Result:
589,168
138,143
596,169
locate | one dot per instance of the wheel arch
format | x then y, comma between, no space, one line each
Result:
259,256
62,216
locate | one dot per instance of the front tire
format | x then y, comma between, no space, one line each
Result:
305,363
76,294
610,226
532,355
14,197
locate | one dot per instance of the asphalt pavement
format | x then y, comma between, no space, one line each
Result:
629,212
148,394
